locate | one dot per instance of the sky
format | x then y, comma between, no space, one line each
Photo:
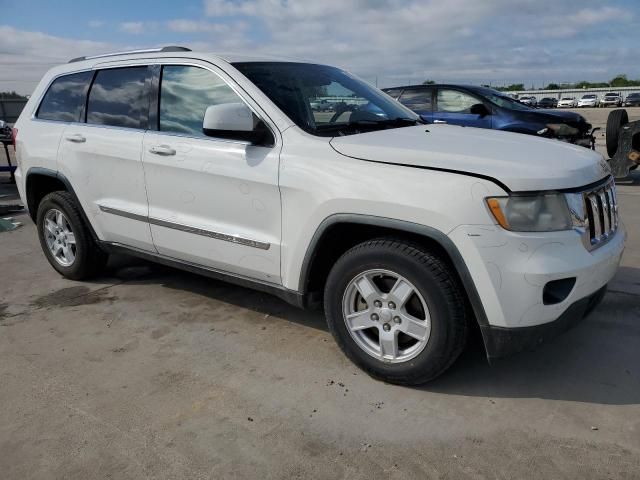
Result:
386,42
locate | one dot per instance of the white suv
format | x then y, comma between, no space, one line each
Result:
408,234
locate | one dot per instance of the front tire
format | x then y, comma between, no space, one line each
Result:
65,238
396,310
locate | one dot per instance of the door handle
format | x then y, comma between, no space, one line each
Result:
163,150
76,138
439,121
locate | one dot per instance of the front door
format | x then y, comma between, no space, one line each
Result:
454,107
212,202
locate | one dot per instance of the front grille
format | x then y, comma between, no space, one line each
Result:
601,214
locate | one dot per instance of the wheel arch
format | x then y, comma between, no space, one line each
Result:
42,181
339,232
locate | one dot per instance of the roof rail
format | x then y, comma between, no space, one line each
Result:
170,48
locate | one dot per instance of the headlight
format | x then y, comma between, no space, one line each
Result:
532,213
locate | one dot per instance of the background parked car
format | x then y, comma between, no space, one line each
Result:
611,99
483,107
588,100
632,100
548,102
530,101
567,102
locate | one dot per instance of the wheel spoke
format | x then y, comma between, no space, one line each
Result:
59,220
68,255
388,345
401,292
367,289
57,248
50,226
360,320
414,327
71,238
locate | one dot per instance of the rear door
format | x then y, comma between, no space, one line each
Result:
453,106
102,157
420,100
212,202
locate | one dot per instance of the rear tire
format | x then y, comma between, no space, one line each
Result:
616,120
65,238
413,291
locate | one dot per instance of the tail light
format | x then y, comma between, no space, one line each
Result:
14,137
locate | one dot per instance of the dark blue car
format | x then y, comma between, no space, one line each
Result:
482,107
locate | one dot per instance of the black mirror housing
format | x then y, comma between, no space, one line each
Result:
260,135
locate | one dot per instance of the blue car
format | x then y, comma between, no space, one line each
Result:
482,107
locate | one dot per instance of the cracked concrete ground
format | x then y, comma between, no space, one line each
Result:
149,372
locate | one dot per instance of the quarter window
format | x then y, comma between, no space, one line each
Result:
417,100
65,99
185,94
454,101
118,98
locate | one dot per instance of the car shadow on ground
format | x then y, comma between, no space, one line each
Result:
596,362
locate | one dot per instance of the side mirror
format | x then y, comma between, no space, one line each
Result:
480,109
235,121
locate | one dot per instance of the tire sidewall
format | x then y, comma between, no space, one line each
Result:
430,287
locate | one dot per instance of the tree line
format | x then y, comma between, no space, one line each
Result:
620,80
11,96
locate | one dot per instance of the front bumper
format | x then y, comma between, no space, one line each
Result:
512,270
501,342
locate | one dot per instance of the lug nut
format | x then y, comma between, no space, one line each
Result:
392,305
386,327
377,303
397,319
375,317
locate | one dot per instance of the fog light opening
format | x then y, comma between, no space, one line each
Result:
557,291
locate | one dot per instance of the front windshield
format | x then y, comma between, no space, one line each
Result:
325,100
589,96
503,100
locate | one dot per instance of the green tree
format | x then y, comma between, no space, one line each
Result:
12,95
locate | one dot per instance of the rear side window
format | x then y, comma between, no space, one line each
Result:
417,99
65,99
185,94
118,98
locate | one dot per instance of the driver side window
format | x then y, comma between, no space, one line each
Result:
455,101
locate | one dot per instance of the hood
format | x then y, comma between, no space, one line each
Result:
520,162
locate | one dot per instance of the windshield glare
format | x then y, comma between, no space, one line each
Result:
325,100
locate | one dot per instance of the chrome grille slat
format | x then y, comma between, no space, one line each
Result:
600,215
605,213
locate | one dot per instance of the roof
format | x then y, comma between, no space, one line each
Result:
177,51
452,85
